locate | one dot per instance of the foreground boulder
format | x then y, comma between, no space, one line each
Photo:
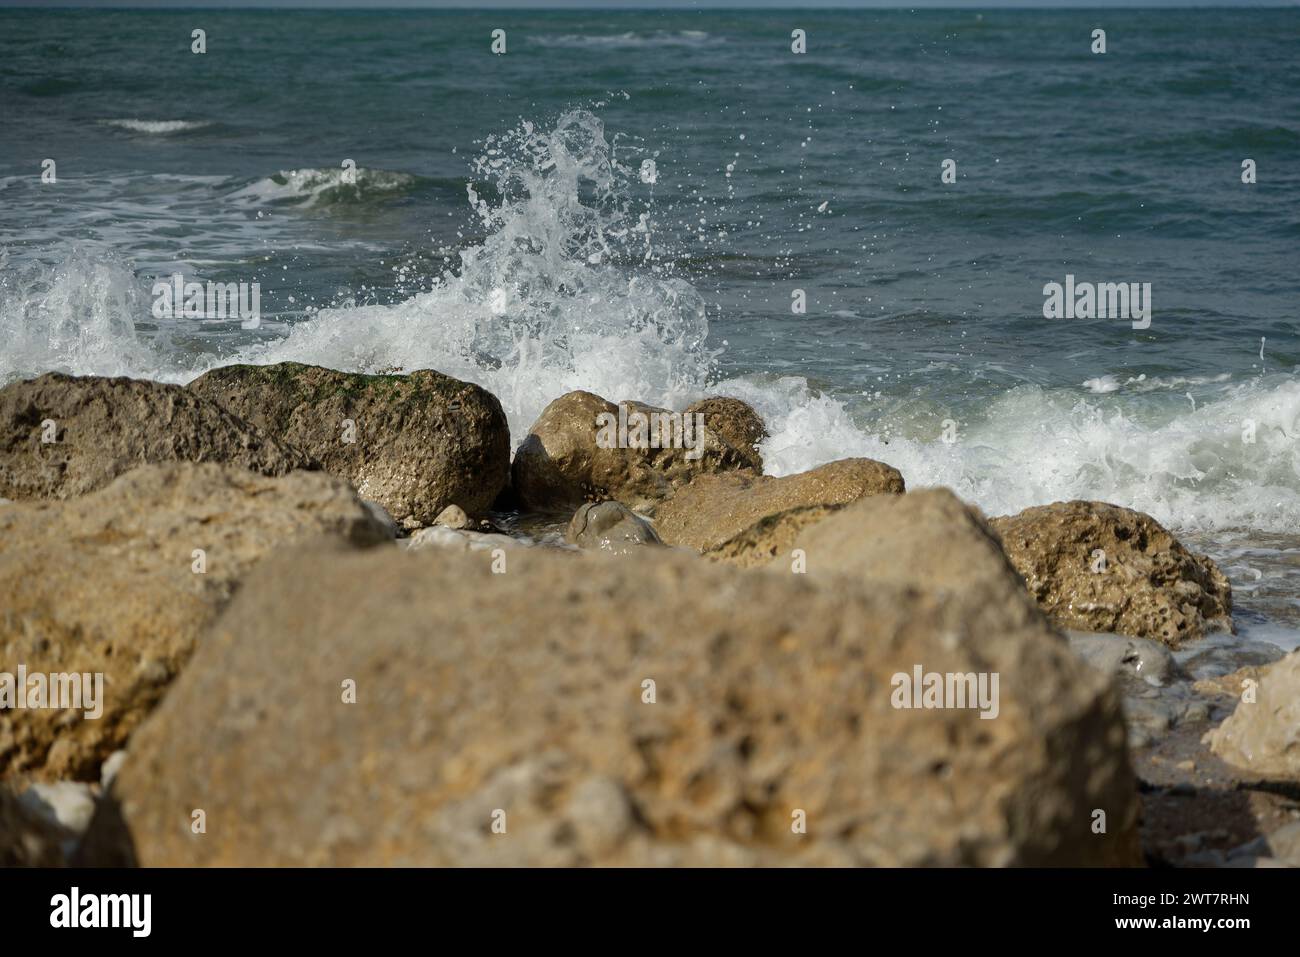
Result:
657,710
569,458
1262,735
1099,567
413,443
122,581
714,509
62,436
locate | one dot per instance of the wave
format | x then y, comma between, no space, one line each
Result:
324,187
157,127
571,289
657,38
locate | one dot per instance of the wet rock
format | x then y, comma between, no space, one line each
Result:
721,511
561,463
1099,567
121,582
101,428
516,719
1262,735
737,423
462,540
1138,658
414,443
610,527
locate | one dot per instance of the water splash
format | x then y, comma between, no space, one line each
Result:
565,292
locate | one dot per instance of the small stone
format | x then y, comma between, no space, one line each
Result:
453,516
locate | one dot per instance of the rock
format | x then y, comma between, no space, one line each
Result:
520,700
26,839
610,527
736,423
928,539
419,442
103,428
1099,567
720,511
109,583
1284,843
1262,735
561,464
462,540
453,516
1233,685
1139,658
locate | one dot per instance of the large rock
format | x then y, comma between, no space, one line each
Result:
927,539
102,428
1262,735
1099,567
563,461
737,423
656,710
110,583
413,443
714,509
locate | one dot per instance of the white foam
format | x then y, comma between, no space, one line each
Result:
157,127
566,293
657,38
77,316
309,186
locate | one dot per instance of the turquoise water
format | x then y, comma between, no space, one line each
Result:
501,228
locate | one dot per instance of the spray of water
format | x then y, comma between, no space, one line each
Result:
568,291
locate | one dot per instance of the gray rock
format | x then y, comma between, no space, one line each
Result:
1139,658
462,540
610,527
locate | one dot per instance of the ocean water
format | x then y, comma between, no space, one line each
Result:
504,227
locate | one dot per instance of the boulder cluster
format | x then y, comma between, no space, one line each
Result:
339,623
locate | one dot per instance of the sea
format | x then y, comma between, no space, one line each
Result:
848,219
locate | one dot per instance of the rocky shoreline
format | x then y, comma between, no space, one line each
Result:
339,623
